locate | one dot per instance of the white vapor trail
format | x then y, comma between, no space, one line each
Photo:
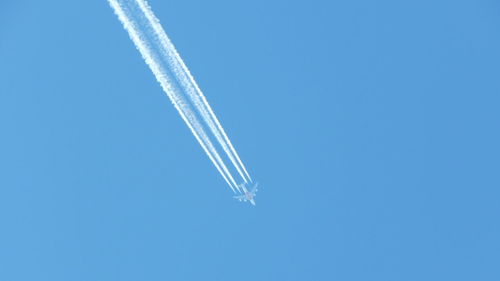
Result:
176,81
194,92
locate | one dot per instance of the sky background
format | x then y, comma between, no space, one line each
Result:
371,126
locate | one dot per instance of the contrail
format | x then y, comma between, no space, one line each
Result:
177,82
194,92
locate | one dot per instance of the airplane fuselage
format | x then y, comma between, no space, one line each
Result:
249,197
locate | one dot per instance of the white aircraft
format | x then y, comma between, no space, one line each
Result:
247,195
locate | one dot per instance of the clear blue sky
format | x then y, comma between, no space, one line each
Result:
372,127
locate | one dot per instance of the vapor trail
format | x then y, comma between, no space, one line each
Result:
177,82
194,92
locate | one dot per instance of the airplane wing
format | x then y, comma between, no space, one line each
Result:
254,189
240,197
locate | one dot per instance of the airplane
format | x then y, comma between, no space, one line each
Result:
248,195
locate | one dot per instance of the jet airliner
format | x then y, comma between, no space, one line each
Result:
247,195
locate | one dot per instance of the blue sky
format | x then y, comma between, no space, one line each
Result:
371,127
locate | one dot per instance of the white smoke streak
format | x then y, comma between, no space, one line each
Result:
162,77
186,79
